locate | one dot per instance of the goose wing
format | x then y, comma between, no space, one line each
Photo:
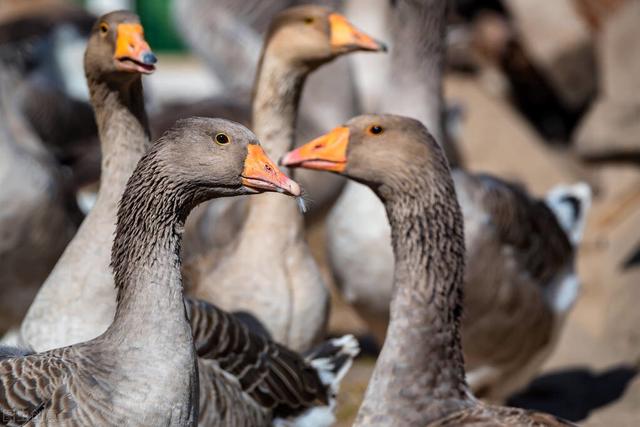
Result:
31,384
495,416
524,224
274,376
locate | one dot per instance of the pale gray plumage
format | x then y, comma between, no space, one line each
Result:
77,301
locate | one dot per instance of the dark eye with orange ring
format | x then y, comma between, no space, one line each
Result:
308,20
104,28
375,130
222,139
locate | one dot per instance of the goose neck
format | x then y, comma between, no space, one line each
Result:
275,103
146,258
123,130
420,370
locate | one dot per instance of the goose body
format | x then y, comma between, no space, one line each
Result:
233,364
520,281
77,301
419,378
289,298
247,379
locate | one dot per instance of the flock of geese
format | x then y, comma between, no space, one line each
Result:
116,336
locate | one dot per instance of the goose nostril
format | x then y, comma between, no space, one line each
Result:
318,146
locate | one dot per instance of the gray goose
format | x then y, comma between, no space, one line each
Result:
419,378
289,298
270,380
142,370
36,223
535,291
77,301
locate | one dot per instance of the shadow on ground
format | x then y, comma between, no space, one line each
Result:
573,393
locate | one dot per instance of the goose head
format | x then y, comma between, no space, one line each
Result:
204,158
308,36
389,153
117,47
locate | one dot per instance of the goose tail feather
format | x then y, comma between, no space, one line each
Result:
332,360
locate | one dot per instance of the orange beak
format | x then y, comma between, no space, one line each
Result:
344,36
326,153
133,53
261,174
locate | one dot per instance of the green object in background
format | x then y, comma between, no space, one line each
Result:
159,29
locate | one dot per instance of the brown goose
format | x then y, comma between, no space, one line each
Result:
419,378
76,302
289,298
142,370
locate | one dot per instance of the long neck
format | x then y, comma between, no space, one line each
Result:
275,103
275,109
417,60
123,131
419,374
146,258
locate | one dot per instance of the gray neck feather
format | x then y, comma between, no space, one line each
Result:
419,375
275,111
146,253
124,134
417,59
275,103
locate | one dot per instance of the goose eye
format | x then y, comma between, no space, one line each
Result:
104,28
308,20
375,130
222,139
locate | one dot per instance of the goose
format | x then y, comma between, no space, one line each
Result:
143,369
536,291
36,220
228,36
77,301
357,232
251,367
289,298
419,377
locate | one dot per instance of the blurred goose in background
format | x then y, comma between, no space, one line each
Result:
143,367
45,41
37,218
288,298
76,302
518,294
520,281
419,378
228,35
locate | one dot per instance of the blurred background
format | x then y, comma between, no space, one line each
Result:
537,92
